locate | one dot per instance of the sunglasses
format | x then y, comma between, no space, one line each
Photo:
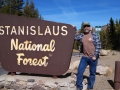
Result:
86,25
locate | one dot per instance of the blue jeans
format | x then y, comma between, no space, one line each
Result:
82,66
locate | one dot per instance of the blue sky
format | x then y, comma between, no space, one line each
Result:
74,12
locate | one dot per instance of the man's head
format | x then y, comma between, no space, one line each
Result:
87,27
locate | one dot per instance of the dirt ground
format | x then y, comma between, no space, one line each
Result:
106,82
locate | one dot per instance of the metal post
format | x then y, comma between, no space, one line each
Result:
117,76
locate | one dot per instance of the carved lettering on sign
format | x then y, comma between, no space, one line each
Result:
28,46
32,30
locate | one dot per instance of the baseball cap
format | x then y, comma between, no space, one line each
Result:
86,23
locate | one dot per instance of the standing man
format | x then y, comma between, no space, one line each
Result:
90,46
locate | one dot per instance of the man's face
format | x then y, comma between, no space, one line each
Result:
87,28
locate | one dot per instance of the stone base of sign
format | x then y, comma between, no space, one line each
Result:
37,82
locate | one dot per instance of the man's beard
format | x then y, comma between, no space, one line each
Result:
86,31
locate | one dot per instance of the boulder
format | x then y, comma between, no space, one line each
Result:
101,69
11,79
104,70
108,51
103,52
114,53
50,84
109,70
2,79
73,67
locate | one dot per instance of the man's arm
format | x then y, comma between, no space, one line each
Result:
97,46
78,36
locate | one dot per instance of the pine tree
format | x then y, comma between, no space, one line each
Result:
30,11
1,3
34,11
40,17
112,26
26,10
118,37
15,7
112,33
119,21
116,23
12,7
82,28
5,7
19,7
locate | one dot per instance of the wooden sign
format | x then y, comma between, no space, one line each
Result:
35,46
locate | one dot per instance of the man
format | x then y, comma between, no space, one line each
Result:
90,47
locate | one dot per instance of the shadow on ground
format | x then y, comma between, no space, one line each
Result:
41,75
111,83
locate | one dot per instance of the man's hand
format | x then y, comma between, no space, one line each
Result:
93,58
74,26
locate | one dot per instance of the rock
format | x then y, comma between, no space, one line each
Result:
40,82
104,70
21,82
1,86
10,79
50,84
64,84
72,79
2,79
4,89
6,83
18,80
38,87
30,80
103,52
55,88
108,51
71,85
3,83
73,82
109,70
18,73
56,83
101,69
73,67
114,53
73,75
16,87
29,85
67,88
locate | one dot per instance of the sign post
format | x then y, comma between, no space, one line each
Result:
98,28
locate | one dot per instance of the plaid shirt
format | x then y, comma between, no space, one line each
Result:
96,42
